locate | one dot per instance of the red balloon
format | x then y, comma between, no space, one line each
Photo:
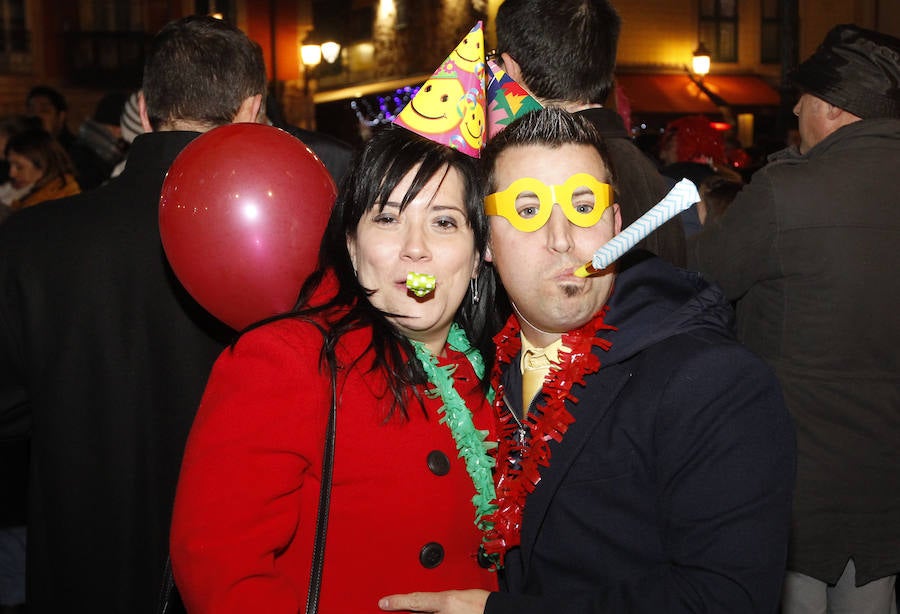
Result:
242,211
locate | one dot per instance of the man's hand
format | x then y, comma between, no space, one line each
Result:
448,602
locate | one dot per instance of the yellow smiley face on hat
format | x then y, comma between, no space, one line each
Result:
435,109
469,54
472,126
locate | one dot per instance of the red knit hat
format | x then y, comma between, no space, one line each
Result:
698,140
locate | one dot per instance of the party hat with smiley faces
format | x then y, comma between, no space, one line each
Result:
451,107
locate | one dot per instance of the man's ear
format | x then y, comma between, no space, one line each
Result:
249,110
832,112
618,218
512,68
142,111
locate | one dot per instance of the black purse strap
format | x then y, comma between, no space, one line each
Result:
318,561
168,594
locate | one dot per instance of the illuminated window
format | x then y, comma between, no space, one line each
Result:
15,39
770,32
718,28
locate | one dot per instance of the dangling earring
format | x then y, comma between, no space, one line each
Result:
474,287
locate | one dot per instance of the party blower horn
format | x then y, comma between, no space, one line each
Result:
679,198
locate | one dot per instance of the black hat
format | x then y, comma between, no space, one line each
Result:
855,69
109,108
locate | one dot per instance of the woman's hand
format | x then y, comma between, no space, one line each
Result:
447,602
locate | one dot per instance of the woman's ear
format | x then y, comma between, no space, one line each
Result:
351,249
488,254
476,267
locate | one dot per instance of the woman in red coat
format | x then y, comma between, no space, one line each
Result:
412,469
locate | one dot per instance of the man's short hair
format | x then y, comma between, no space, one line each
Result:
54,96
201,69
548,127
565,48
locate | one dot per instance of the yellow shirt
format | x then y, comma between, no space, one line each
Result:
535,365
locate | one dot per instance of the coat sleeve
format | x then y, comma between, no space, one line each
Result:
15,407
253,457
739,249
724,465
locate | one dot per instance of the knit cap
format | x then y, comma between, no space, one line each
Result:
130,120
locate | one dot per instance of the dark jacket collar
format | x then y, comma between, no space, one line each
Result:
607,121
154,152
843,136
653,300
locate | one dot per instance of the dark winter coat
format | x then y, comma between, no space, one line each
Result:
809,251
103,358
671,490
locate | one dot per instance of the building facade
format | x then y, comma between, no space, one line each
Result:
88,47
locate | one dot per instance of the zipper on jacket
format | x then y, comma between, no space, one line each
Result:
521,431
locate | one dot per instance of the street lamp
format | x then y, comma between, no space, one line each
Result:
330,51
700,61
699,69
312,54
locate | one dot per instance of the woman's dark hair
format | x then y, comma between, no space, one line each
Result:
379,168
45,152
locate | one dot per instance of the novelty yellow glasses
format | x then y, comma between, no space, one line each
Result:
527,203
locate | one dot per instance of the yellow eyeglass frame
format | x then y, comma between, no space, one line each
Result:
503,203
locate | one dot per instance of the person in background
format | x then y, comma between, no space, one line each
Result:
646,459
9,126
808,250
99,146
51,108
103,354
40,164
130,127
692,148
334,153
716,194
410,402
563,52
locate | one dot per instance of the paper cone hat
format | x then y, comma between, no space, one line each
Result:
449,107
507,100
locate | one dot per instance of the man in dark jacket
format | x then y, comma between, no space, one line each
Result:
103,355
809,250
564,53
653,469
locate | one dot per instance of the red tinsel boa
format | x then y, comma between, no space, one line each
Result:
519,459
